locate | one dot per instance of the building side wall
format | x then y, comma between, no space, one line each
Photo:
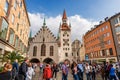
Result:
116,35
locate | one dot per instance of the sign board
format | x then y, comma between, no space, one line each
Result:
86,57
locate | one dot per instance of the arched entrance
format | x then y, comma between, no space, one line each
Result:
35,60
48,60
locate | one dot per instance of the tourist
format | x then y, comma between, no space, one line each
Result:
30,72
107,69
75,72
112,73
81,70
7,72
55,70
65,70
23,69
41,67
93,72
102,70
47,72
15,69
87,71
72,67
119,70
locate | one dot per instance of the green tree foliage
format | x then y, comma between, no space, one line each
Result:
12,56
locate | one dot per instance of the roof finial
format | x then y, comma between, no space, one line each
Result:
69,24
44,23
30,36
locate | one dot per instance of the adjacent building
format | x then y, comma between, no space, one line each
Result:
101,42
76,50
82,52
14,26
115,26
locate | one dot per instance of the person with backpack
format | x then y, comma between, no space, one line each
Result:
23,69
47,72
80,70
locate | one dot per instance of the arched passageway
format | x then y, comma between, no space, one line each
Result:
35,60
48,60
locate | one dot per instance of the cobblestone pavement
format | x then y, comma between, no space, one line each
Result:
38,76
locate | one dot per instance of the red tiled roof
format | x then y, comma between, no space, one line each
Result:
65,26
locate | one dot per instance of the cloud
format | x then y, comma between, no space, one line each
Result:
79,25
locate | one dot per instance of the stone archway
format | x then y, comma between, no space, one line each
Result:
35,60
48,60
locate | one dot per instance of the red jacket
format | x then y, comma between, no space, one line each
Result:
47,74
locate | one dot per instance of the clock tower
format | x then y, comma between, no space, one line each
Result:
65,39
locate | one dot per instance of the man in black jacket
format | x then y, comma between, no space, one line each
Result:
23,69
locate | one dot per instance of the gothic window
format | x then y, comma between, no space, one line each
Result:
43,50
66,54
34,50
51,50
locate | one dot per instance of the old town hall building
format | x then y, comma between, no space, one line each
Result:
45,47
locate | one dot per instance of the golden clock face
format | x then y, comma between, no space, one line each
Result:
65,32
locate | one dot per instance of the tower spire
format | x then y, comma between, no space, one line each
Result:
64,15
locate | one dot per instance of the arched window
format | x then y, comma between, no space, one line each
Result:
51,50
43,50
34,50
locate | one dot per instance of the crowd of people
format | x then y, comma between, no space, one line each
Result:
107,71
12,71
49,71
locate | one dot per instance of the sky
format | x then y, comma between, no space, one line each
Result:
82,14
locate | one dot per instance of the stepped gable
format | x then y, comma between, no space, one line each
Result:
47,34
